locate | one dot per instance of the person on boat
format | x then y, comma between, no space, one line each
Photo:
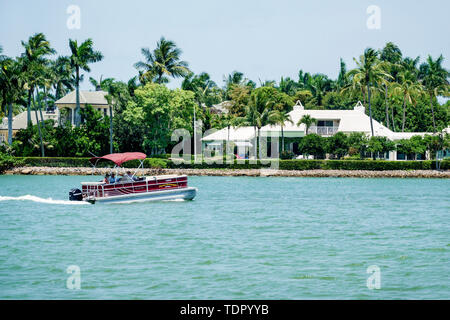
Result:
126,178
112,179
132,177
106,180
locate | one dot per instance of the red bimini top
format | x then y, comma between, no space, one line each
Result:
119,158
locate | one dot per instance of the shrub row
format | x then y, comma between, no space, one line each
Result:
84,162
378,165
8,162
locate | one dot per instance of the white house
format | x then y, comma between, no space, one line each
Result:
328,123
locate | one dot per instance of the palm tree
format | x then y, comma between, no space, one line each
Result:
162,62
342,80
102,84
11,87
63,80
307,120
319,85
229,121
81,57
391,57
369,73
280,117
408,88
36,50
255,119
200,84
288,86
435,80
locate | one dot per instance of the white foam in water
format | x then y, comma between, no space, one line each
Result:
29,197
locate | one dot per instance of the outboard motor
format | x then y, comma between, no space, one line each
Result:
75,195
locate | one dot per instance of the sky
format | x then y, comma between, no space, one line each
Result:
264,39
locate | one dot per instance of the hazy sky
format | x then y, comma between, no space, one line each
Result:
265,39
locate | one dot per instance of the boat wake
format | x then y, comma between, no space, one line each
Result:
29,197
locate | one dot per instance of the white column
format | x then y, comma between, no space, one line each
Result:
73,116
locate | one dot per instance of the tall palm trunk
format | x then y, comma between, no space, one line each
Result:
110,130
386,103
45,99
228,139
256,144
10,119
370,109
29,108
393,121
404,114
432,112
39,129
259,144
77,94
39,104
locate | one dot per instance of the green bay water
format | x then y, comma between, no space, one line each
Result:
241,238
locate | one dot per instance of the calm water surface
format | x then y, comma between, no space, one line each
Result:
241,238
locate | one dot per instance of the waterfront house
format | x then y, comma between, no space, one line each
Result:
67,104
328,123
20,122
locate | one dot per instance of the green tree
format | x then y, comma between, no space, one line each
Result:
408,88
435,81
62,78
379,145
254,118
37,48
357,141
308,121
160,111
369,73
337,145
319,85
412,147
163,62
101,84
239,97
312,144
280,117
11,88
81,57
342,80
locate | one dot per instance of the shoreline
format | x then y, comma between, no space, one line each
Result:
238,172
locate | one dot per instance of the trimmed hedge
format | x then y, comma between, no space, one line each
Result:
8,162
378,165
84,162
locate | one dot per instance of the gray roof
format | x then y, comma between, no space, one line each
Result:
86,97
20,120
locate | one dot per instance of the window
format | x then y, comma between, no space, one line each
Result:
325,123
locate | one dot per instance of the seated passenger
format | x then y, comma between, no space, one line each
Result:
126,178
132,177
106,180
112,179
